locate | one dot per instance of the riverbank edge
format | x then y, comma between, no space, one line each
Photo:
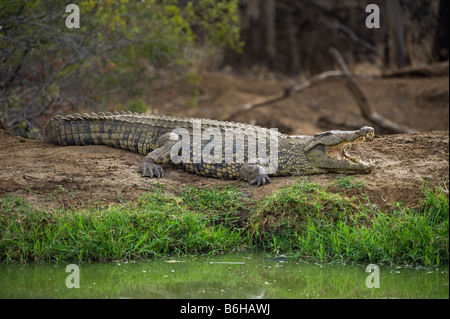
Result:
320,223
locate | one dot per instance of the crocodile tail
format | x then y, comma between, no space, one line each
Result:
71,129
54,130
92,129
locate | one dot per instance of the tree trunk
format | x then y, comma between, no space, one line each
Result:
397,44
440,45
258,34
293,45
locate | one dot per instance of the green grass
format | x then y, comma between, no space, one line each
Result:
310,222
305,220
349,182
156,224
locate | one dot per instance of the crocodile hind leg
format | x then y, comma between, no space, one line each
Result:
255,174
150,167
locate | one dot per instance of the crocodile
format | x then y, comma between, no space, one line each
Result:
159,139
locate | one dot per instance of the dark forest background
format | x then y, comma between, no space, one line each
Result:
293,36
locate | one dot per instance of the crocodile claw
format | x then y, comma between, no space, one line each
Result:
261,180
151,170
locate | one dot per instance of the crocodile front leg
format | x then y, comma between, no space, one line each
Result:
161,155
255,174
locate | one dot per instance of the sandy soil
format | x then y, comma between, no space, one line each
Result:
51,175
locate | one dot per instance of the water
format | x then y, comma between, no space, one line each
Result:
223,276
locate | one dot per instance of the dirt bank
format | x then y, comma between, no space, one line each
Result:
50,175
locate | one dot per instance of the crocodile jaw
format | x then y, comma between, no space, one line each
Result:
328,151
339,153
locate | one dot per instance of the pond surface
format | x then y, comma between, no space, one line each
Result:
221,276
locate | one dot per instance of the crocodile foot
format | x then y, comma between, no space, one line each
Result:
255,174
151,170
261,180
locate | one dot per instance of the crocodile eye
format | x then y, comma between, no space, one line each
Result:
322,134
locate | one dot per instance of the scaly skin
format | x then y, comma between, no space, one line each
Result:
154,137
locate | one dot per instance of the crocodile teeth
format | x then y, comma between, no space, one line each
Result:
339,152
369,135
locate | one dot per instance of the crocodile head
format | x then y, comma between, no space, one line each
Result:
327,150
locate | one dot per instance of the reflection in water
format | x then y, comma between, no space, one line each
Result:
249,276
192,290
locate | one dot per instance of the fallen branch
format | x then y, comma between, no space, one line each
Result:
362,102
349,32
431,70
286,93
345,78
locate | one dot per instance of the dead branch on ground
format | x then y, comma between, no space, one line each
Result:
342,76
363,103
431,70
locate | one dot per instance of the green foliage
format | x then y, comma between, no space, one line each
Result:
156,225
304,220
222,206
435,205
293,205
307,220
349,182
119,48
